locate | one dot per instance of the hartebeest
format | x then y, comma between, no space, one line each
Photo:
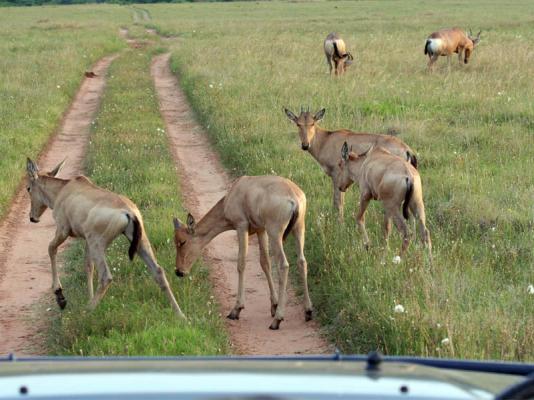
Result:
390,179
447,41
83,210
336,51
324,145
269,206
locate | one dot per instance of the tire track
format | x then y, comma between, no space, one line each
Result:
25,275
204,182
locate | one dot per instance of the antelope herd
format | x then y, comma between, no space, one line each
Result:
272,207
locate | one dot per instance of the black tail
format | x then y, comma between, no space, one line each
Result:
407,198
412,158
136,237
292,221
336,51
428,41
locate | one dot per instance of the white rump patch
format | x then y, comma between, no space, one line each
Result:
435,46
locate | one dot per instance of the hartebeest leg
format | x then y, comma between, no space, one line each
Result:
460,56
98,256
365,198
339,200
265,263
146,254
299,231
449,63
387,227
242,236
431,62
59,238
89,270
419,213
279,255
329,62
398,219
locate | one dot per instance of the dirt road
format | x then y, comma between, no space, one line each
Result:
204,182
25,277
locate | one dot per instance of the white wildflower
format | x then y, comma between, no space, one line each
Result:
48,309
396,260
399,309
530,289
438,325
58,86
445,341
211,85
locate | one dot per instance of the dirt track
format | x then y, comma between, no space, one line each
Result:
25,277
204,182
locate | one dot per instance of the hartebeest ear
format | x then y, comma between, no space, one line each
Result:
32,169
56,170
320,114
191,224
345,151
290,115
176,222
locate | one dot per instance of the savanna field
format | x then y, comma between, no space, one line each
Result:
240,64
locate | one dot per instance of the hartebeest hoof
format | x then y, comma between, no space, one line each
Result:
275,324
60,299
308,315
234,314
273,309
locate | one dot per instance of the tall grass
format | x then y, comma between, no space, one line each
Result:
44,52
240,63
129,155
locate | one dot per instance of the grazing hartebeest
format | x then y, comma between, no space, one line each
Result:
82,209
335,50
390,179
324,145
448,41
269,206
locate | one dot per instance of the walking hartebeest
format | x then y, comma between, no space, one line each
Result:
335,50
83,210
324,145
390,179
269,206
448,41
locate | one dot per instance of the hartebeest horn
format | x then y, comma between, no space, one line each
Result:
58,167
32,168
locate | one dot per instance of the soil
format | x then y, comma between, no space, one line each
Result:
204,182
25,275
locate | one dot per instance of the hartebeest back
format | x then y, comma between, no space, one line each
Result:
324,145
448,41
390,179
83,210
269,206
336,51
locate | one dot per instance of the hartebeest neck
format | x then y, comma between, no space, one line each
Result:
50,187
316,144
212,224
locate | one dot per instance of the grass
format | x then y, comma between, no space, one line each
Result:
129,155
240,63
44,52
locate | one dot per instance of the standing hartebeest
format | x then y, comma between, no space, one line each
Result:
335,50
269,206
83,210
390,179
448,41
324,145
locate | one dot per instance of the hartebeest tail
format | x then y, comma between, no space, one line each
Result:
136,237
384,176
324,146
84,210
407,198
270,207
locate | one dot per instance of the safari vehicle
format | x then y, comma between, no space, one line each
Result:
303,377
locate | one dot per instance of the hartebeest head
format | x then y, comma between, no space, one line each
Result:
306,122
349,163
469,49
39,199
187,248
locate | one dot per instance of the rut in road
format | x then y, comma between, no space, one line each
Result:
25,275
204,182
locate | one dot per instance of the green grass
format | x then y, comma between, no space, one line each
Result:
44,52
129,155
240,63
